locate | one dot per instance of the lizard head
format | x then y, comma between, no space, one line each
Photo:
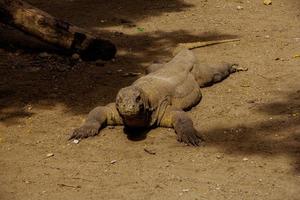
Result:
131,104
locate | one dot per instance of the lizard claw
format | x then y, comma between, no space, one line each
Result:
190,137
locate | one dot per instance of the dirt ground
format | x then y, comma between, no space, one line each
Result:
250,120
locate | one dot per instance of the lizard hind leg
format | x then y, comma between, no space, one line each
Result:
209,74
183,126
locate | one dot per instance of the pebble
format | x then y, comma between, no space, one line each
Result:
251,101
34,69
44,55
245,159
108,72
50,155
149,151
239,7
113,161
75,56
29,107
131,74
76,141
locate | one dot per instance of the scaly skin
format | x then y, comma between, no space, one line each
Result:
159,99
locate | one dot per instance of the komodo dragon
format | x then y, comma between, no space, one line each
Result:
159,99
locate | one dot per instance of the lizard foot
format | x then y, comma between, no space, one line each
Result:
189,136
85,131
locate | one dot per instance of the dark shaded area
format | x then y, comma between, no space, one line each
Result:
269,137
95,13
43,79
136,134
99,49
39,79
13,39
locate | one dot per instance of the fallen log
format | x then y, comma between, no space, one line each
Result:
55,31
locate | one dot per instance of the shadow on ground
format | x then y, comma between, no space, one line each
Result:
33,79
47,80
91,13
278,134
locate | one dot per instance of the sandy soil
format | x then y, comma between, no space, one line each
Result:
250,120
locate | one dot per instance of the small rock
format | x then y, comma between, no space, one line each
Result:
251,101
109,72
50,155
131,74
239,8
149,151
268,2
117,33
113,161
75,56
241,69
29,107
34,69
76,141
185,190
44,55
267,36
245,159
219,156
119,70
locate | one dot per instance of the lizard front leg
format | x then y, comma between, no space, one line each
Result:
97,119
183,126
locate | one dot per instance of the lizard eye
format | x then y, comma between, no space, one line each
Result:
138,99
